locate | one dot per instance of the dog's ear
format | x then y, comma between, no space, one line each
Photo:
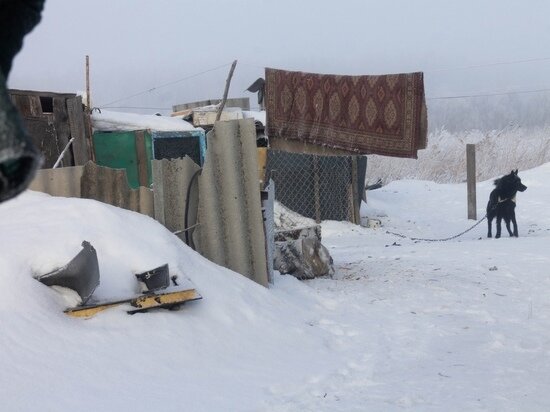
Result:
516,172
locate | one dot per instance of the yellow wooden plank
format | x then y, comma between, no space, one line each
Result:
262,162
141,302
88,312
151,301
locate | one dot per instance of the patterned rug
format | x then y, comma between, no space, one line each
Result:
383,115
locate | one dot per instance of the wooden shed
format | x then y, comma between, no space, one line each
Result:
51,120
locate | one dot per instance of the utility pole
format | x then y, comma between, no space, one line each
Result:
88,83
88,112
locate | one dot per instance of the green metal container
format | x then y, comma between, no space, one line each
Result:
126,150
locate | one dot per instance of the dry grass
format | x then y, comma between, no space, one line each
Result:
444,160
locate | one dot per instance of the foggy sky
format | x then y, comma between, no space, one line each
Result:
135,45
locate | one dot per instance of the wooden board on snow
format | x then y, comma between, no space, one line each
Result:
141,303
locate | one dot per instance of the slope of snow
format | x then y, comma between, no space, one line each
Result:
120,362
458,325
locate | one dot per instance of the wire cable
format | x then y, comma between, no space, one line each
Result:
538,59
478,66
136,107
164,85
468,96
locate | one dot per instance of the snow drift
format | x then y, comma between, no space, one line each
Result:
459,325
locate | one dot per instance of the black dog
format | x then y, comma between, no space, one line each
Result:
502,203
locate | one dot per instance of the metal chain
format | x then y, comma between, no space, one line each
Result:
437,240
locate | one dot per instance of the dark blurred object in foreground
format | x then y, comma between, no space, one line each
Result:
19,159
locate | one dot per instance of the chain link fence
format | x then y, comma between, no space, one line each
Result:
318,187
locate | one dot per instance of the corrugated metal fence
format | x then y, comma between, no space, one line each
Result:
172,184
94,182
230,230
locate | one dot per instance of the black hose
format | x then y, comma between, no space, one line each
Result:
187,202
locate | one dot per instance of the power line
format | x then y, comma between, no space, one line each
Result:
464,96
108,105
136,107
538,59
468,96
444,69
164,85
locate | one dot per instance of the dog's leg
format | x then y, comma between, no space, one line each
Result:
515,226
490,225
508,227
499,227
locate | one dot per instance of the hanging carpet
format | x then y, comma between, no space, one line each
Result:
383,115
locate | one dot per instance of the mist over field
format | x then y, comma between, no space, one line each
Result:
490,112
485,64
147,56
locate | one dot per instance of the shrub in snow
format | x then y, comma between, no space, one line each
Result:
444,160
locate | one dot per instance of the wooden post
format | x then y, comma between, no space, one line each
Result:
227,83
355,199
316,189
142,160
88,82
88,112
471,179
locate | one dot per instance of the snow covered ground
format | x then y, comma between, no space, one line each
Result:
458,325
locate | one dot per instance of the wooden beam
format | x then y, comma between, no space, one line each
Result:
88,112
262,163
78,130
152,301
88,99
62,129
355,199
317,189
142,160
89,311
227,83
141,303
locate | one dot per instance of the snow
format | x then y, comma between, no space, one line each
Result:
458,325
286,219
215,108
117,121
